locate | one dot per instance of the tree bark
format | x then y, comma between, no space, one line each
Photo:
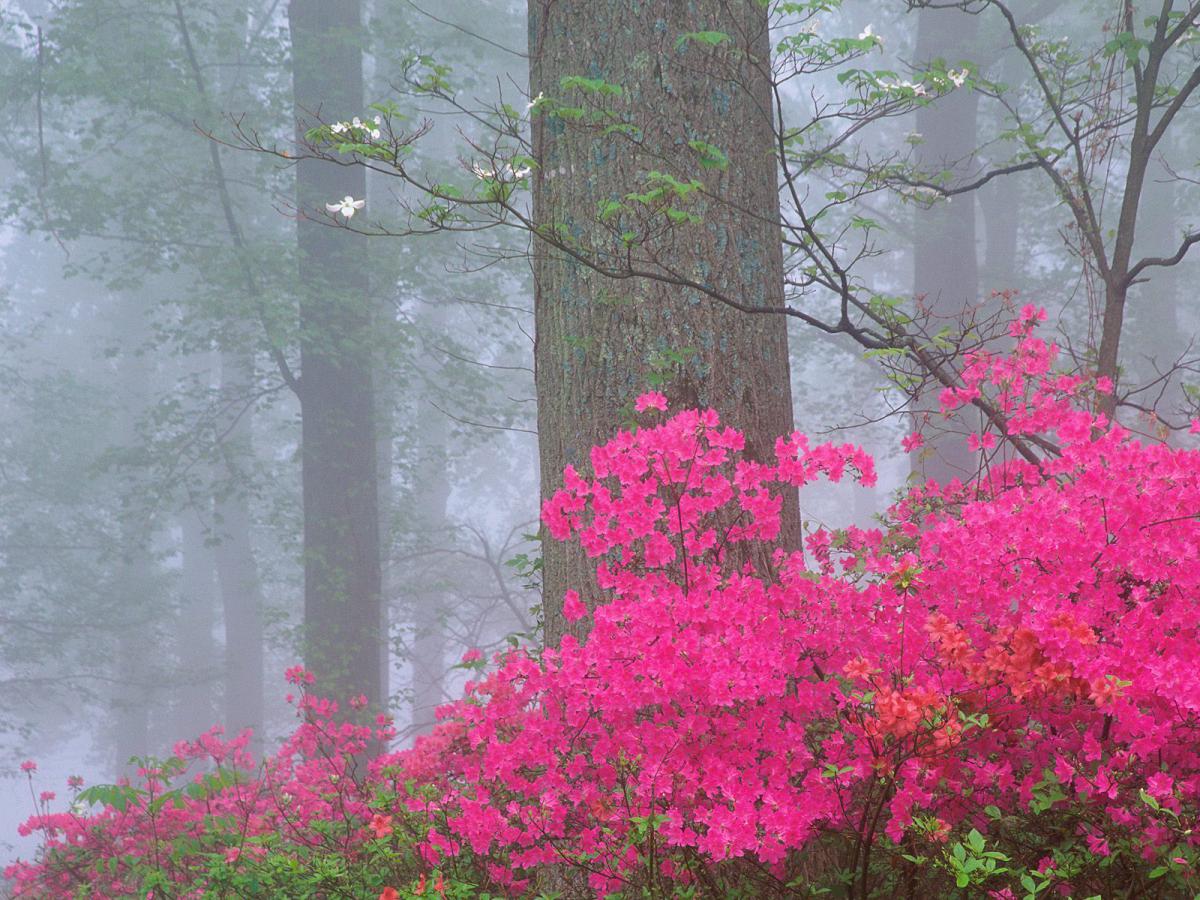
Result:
600,341
342,605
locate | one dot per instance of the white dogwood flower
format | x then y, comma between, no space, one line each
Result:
535,101
868,33
347,206
959,78
338,127
508,172
915,87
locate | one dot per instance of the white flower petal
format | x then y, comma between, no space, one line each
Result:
868,33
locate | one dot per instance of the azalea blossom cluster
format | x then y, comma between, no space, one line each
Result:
1029,636
211,798
1010,663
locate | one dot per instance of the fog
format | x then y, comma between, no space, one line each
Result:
190,322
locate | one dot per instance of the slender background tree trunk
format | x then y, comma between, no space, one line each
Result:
1158,334
342,606
945,267
135,586
430,498
237,570
198,657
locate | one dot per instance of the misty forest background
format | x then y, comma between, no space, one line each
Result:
176,337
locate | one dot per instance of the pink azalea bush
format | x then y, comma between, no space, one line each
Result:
998,692
209,816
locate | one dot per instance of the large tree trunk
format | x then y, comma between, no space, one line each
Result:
945,270
237,571
599,341
342,608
